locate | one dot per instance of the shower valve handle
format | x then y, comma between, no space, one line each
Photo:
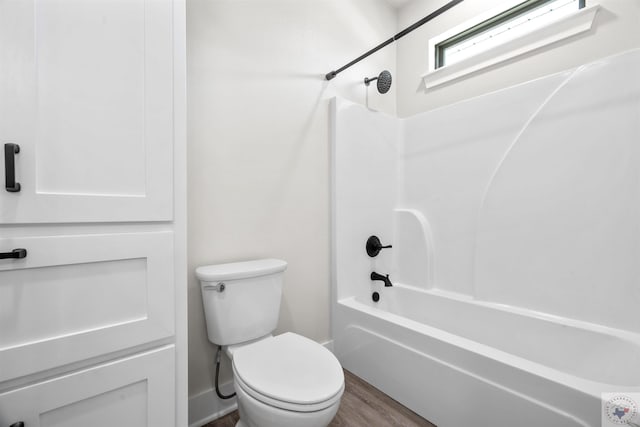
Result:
374,246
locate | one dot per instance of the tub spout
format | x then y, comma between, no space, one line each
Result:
385,279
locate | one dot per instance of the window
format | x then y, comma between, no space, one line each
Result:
508,25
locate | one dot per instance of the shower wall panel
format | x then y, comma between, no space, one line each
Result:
532,192
528,197
366,179
450,155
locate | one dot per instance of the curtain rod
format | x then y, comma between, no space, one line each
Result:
402,33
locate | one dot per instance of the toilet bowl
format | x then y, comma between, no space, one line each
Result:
280,381
286,381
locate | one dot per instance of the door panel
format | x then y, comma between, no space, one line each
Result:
76,297
86,92
134,392
90,97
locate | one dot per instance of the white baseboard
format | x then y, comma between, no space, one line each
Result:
206,406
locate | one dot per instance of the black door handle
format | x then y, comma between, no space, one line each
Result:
16,253
10,151
18,424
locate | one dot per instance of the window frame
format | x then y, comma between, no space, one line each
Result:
579,22
498,19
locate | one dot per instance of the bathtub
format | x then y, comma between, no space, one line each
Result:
459,362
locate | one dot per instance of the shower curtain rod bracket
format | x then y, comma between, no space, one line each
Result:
330,75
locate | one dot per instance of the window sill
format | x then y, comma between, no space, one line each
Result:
561,29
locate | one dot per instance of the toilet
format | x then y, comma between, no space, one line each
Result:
280,381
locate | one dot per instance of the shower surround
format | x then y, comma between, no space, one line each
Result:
515,224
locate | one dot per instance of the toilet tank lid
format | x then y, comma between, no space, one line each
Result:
240,270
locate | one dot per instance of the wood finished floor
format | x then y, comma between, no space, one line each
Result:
362,406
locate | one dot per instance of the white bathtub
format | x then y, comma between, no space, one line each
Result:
459,362
527,196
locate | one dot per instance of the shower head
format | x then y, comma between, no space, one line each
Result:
384,81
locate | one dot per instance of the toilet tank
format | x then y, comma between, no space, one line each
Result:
241,299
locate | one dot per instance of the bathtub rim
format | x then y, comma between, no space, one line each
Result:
590,387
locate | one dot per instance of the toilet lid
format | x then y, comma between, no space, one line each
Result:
289,368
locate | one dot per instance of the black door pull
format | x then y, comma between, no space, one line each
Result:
16,253
18,424
10,151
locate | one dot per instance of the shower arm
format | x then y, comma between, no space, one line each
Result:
402,33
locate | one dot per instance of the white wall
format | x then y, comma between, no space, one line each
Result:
258,123
616,29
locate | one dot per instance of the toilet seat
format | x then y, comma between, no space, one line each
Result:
288,406
290,372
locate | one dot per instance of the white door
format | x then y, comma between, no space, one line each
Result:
87,305
75,297
86,93
134,392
